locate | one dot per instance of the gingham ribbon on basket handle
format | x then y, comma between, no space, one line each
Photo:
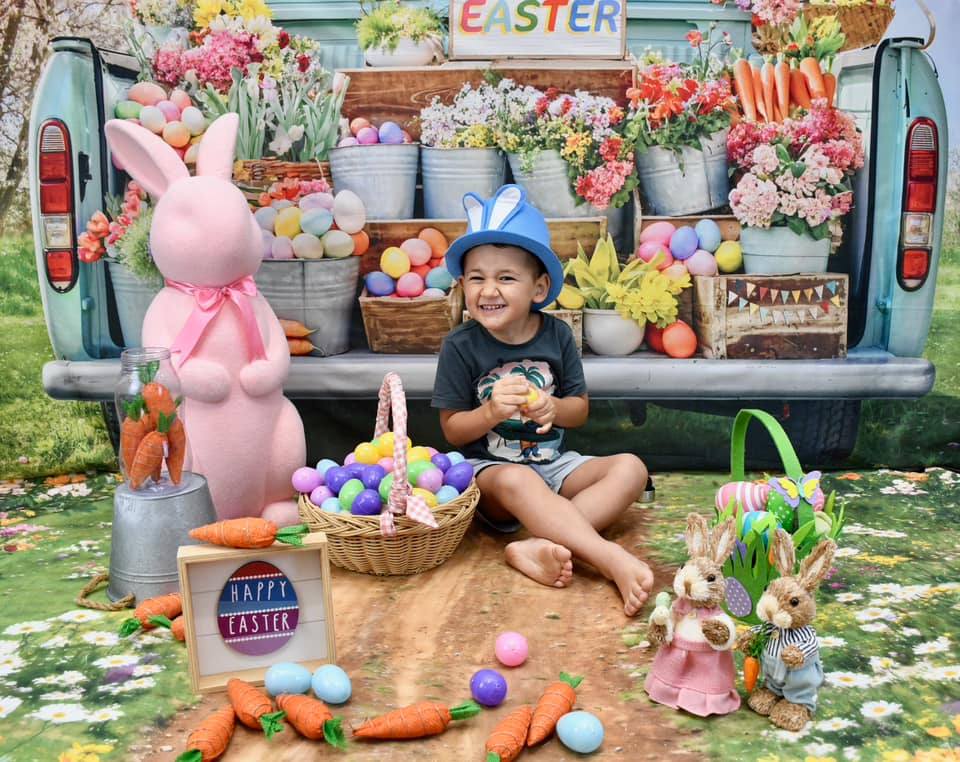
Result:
402,500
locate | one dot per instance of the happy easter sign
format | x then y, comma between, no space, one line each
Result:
537,29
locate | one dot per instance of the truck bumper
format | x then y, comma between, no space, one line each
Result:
864,374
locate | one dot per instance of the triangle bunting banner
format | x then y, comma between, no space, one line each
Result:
743,304
796,296
763,292
751,287
731,297
819,290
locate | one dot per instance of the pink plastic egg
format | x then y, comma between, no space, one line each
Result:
345,142
511,649
306,479
701,263
180,99
281,248
432,450
676,271
170,110
351,458
386,464
660,232
431,479
409,285
320,494
368,136
650,249
418,250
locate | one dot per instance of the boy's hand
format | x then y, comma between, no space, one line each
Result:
543,410
506,398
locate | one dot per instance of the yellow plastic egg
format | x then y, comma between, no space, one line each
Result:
394,262
729,256
287,222
418,453
428,497
386,444
366,453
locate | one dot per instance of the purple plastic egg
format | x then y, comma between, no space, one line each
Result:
336,477
355,469
701,262
347,142
367,503
306,479
390,132
441,461
431,479
372,475
368,136
684,242
169,109
379,284
320,494
459,476
488,687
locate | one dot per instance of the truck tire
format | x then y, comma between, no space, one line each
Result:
112,422
823,433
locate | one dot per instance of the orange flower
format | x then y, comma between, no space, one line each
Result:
851,477
99,225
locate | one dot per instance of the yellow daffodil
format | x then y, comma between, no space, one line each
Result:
251,9
207,10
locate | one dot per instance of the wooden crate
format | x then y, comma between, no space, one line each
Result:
414,326
573,318
771,317
729,225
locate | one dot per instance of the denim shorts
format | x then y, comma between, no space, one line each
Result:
553,474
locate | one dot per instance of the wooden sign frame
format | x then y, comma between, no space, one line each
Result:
565,43
205,571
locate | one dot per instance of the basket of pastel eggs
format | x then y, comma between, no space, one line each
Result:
391,507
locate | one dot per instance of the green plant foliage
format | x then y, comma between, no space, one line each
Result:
389,22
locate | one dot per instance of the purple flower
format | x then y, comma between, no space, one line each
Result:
119,674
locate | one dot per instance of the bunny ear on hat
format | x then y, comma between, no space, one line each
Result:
473,206
506,203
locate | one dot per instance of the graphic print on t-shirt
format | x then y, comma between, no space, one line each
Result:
516,439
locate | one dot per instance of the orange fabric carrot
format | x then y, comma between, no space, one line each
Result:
176,450
758,95
769,97
149,457
132,431
210,739
312,719
300,347
178,627
555,702
158,400
294,329
810,68
751,671
798,89
743,78
169,605
253,708
505,742
830,83
425,718
781,78
248,533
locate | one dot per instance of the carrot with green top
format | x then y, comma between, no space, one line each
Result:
134,428
158,400
149,457
425,718
210,739
506,741
556,701
254,709
177,627
249,532
169,605
312,719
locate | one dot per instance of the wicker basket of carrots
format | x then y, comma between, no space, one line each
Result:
863,25
401,539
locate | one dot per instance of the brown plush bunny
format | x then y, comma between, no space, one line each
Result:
791,656
693,668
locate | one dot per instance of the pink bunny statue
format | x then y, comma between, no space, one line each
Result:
231,354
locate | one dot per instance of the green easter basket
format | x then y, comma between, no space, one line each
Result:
759,508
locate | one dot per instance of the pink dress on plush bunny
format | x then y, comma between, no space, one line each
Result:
230,351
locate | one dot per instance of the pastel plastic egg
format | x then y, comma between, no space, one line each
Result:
658,232
708,233
447,493
676,271
367,503
169,109
325,465
417,250
653,336
152,118
337,244
683,242
410,285
581,732
488,687
439,277
366,453
455,457
319,200
437,240
418,453
823,522
361,242
407,137
331,684
390,133
386,464
330,505
306,479
511,649
349,459
349,212
267,240
336,477
379,284
368,136
421,270
651,249
315,221
357,124
441,461
371,476
679,340
320,494
307,246
348,493
416,468
387,442
433,293
459,476
347,142
386,484
729,256
180,99
394,262
287,222
431,479
265,217
146,93
702,262
281,203
281,248
749,519
426,495
287,677
191,154
128,110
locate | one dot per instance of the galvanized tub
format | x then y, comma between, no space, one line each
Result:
449,173
700,185
384,176
132,297
148,527
548,189
320,293
780,251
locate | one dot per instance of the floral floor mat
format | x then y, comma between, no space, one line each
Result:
72,690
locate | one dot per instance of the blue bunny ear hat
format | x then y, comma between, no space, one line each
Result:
507,218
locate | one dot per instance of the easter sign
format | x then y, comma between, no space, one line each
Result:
249,609
488,29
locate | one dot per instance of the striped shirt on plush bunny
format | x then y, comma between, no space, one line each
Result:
804,638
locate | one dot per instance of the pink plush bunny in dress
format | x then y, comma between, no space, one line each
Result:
228,347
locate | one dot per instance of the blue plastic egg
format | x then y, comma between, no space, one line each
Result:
330,505
439,277
287,677
580,731
708,232
379,284
749,519
454,457
683,242
391,132
447,493
325,465
331,684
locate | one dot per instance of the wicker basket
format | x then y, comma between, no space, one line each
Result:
863,25
414,326
357,543
255,176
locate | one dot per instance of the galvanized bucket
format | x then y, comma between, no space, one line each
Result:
780,251
548,189
320,293
449,173
700,185
133,297
384,176
148,527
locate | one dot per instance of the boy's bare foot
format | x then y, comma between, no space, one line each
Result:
541,560
632,576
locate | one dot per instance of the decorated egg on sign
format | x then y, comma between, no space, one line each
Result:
367,503
315,221
459,476
349,212
683,242
394,262
409,285
447,493
265,217
379,283
337,244
439,277
287,677
651,249
281,248
417,250
679,340
368,136
306,479
708,233
307,246
152,118
658,232
331,684
581,732
701,262
511,649
488,687
390,133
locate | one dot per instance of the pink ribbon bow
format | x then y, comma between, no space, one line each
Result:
209,300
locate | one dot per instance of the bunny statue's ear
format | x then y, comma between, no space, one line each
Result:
473,206
784,556
815,566
697,535
145,156
215,157
722,540
506,203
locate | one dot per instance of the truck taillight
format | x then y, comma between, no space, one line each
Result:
55,170
919,203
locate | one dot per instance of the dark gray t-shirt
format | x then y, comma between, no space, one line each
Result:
471,361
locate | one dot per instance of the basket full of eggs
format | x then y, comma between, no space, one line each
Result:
391,508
